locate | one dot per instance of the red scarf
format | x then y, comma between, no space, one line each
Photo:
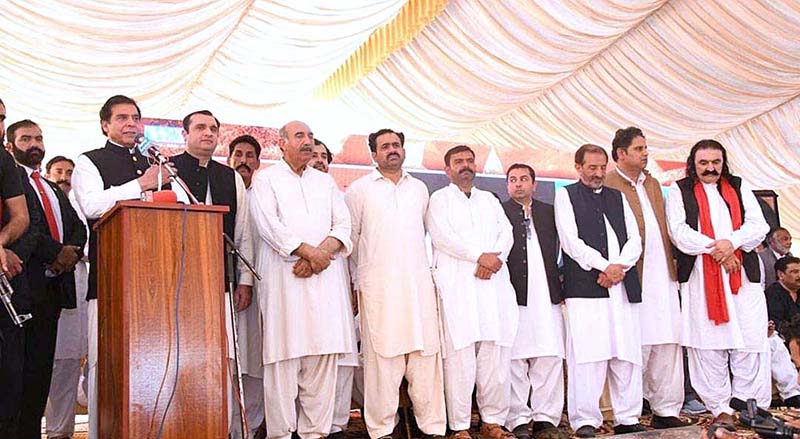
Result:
712,271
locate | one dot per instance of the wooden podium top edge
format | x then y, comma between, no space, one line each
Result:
157,206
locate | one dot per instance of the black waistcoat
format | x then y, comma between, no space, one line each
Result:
116,166
590,208
545,225
216,177
686,262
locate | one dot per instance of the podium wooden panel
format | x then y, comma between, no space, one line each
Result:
139,252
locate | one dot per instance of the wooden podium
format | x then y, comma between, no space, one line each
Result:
140,348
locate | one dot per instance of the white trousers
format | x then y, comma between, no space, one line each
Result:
537,391
344,394
382,379
91,363
253,405
662,381
60,410
585,386
311,381
783,371
485,365
710,373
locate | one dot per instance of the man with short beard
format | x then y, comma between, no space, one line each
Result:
601,244
471,238
321,156
59,236
716,223
71,343
400,322
779,242
303,228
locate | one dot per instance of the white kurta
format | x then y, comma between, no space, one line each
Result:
301,316
747,328
601,328
392,271
461,230
540,332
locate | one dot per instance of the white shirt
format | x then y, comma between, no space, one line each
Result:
302,316
392,273
461,230
660,311
601,328
747,310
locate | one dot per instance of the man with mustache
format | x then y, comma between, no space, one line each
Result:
213,183
302,226
601,245
782,307
537,372
321,156
716,223
660,311
471,238
71,343
779,244
400,322
244,154
59,236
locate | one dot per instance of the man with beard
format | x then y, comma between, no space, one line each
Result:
303,228
715,222
601,244
400,322
471,238
779,245
244,154
321,156
660,311
103,176
60,236
537,372
213,183
782,300
71,342
15,222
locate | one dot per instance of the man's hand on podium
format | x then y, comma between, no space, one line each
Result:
149,180
242,297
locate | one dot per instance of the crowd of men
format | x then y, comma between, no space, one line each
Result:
614,278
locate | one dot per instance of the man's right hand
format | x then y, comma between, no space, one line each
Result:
12,264
149,180
490,261
319,259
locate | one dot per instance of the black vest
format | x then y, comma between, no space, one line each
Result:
545,225
686,262
216,177
116,166
590,208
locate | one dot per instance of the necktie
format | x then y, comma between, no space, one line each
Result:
48,208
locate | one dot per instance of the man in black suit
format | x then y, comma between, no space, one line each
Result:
57,236
538,352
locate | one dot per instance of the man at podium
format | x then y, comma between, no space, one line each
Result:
303,228
115,172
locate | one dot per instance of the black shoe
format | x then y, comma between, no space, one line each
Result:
586,431
633,428
661,422
337,435
793,402
546,430
646,410
522,431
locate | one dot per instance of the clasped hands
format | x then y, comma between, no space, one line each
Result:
66,259
723,254
613,275
314,260
488,264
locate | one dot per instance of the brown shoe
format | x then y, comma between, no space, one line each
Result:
494,431
725,421
460,434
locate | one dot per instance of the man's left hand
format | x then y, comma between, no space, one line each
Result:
242,297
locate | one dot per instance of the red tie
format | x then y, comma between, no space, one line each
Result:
48,209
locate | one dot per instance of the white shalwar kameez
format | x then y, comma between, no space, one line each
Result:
480,316
603,334
307,321
741,343
537,370
659,316
71,346
399,314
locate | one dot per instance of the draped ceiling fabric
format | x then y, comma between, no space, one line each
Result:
508,75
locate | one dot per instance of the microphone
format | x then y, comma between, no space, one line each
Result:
147,148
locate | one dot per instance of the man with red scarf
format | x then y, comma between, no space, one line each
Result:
716,223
